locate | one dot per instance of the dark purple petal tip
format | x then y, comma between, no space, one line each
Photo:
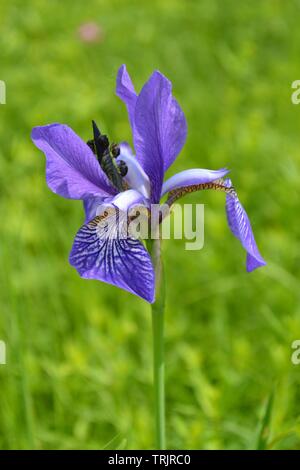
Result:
240,226
125,90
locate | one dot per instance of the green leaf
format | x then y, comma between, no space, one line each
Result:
263,437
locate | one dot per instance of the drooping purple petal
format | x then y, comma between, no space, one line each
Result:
240,226
104,251
190,177
125,90
72,170
159,130
136,177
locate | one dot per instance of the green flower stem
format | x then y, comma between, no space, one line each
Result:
158,344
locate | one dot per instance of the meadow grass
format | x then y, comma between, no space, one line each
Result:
79,359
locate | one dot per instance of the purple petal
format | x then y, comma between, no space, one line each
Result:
101,252
240,226
91,205
159,131
125,90
136,177
72,171
191,177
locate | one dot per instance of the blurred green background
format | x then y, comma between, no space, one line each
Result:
79,357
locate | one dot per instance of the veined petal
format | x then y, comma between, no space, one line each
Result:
191,177
72,170
240,226
136,177
125,90
103,250
159,130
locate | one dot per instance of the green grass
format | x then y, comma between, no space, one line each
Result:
79,359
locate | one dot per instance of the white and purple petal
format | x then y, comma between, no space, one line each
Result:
240,226
136,176
72,171
103,250
191,177
124,201
128,199
159,130
92,204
